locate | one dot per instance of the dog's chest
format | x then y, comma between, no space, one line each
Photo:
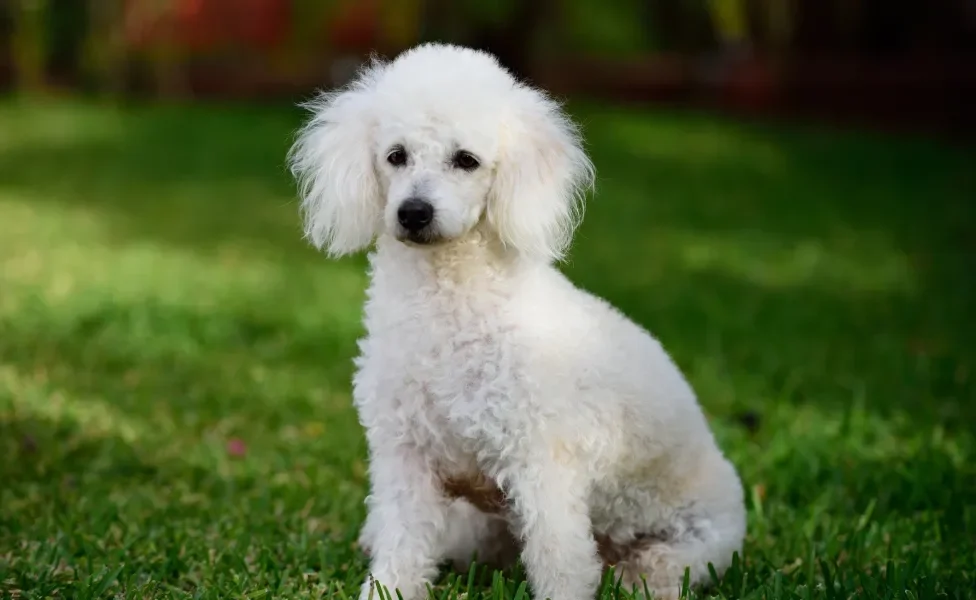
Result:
443,371
461,368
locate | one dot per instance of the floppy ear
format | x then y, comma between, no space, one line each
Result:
541,176
332,162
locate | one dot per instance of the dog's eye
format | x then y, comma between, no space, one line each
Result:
397,156
465,160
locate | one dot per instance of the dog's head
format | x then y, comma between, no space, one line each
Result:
429,146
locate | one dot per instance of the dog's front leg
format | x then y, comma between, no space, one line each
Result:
550,511
406,522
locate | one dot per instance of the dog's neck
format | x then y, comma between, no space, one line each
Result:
475,259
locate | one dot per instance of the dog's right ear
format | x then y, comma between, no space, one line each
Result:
332,162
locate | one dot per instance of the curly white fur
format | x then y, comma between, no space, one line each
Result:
482,360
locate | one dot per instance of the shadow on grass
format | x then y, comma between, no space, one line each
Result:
819,263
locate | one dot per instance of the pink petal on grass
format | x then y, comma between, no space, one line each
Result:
236,447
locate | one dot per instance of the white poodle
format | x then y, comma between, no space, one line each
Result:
507,412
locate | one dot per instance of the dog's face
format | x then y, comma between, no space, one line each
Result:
426,148
434,181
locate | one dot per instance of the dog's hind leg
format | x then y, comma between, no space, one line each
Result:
708,527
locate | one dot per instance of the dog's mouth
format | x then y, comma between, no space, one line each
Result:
424,237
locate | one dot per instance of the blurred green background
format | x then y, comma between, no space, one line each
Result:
786,197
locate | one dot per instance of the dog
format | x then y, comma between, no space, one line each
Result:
508,414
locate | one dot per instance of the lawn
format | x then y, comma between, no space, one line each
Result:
175,418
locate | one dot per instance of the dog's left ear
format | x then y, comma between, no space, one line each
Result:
541,176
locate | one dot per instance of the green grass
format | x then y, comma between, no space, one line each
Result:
160,314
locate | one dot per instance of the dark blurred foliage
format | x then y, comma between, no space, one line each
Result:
891,61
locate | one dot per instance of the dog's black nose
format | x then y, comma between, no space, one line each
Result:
415,214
